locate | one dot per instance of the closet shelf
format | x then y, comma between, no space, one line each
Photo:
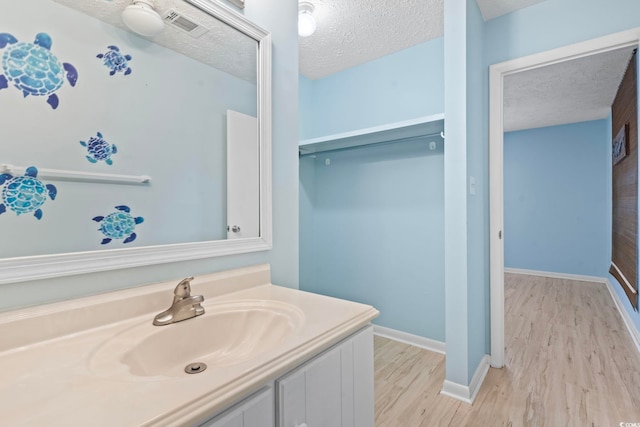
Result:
408,129
67,175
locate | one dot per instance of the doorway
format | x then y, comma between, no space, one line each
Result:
497,74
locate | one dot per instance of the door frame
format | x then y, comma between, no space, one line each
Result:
497,73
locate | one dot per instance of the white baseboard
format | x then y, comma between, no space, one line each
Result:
468,393
456,391
479,376
553,275
628,322
415,340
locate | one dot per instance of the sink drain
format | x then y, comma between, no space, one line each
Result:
195,368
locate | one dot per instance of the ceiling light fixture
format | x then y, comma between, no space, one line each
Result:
306,21
141,18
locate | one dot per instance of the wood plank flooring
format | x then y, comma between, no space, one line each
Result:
569,361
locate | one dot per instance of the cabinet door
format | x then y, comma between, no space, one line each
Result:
363,397
335,389
255,411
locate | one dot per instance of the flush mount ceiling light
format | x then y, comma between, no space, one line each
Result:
141,18
306,21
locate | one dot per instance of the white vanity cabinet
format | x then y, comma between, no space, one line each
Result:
334,389
271,334
257,410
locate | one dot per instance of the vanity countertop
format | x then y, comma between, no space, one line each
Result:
49,374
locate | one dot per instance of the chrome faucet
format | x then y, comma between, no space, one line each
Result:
185,306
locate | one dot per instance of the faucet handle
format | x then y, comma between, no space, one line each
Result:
183,290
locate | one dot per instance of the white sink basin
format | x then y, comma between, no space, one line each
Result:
228,333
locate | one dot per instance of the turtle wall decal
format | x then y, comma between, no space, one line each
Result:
118,225
99,149
25,194
33,69
115,61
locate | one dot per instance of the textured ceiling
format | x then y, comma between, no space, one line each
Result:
222,47
352,32
356,31
572,91
493,8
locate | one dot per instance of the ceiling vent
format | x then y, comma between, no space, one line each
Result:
184,24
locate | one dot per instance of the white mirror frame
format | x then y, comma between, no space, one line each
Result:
21,269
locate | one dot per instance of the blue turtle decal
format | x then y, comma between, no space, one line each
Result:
99,149
119,225
25,194
33,69
115,61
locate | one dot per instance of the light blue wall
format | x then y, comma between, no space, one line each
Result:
401,86
371,223
307,109
555,23
279,17
555,199
477,207
307,220
466,260
377,232
455,192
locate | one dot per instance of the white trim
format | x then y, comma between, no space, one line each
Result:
628,322
456,391
478,376
376,129
414,340
564,276
497,72
230,17
496,218
468,394
22,269
237,3
399,131
626,282
265,126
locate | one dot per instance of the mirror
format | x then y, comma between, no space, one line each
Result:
121,151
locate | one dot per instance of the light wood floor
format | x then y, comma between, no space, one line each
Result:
569,362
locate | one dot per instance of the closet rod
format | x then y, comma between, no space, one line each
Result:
371,144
